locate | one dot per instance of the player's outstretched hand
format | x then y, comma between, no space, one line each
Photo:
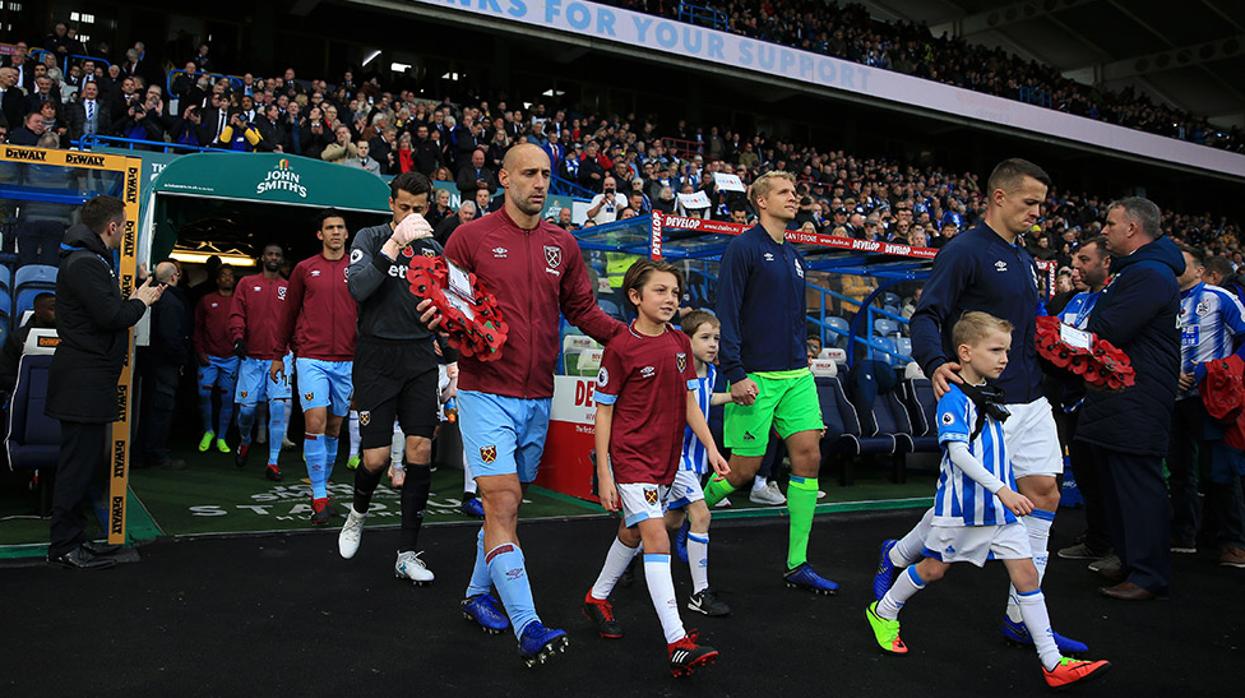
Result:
276,370
412,227
943,377
744,392
1016,502
719,464
608,493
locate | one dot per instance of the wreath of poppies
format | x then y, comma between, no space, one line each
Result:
480,333
1102,366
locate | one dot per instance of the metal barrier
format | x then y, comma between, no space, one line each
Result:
91,141
36,54
565,187
703,15
234,80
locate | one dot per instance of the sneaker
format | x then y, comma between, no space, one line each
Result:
1109,565
486,611
724,503
352,463
804,577
884,577
769,496
239,455
472,506
1080,551
1232,556
409,566
206,442
821,494
886,632
1072,671
273,472
707,602
680,540
538,644
1184,546
351,535
1018,634
286,444
320,511
222,447
601,613
686,656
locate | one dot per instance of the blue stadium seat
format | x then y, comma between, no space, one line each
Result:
918,397
6,279
33,441
30,281
838,340
611,308
885,327
891,298
876,396
843,440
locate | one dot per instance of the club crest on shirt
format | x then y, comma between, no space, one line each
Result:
553,256
603,377
650,495
244,394
488,454
280,292
680,360
365,418
1202,309
429,252
947,418
309,396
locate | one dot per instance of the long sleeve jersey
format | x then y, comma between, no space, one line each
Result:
256,314
321,316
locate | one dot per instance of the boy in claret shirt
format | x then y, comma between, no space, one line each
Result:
646,394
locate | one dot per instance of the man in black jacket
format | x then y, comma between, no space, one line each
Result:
93,322
161,363
1129,429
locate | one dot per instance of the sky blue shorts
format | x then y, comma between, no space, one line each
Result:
503,435
254,385
221,372
325,384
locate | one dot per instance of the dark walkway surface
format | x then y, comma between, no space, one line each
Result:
284,615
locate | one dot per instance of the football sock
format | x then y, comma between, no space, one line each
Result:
719,488
907,550
226,413
661,590
278,422
313,453
616,561
414,500
509,574
1037,620
397,446
365,482
801,503
352,427
1037,524
330,456
205,407
904,587
759,483
246,422
698,560
480,581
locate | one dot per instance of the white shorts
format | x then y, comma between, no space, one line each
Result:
642,500
685,490
1032,439
977,544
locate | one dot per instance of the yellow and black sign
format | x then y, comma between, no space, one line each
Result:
129,168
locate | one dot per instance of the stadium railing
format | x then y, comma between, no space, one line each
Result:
89,142
234,80
36,54
565,187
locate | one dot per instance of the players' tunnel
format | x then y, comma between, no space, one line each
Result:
220,204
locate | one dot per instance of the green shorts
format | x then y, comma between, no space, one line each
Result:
787,401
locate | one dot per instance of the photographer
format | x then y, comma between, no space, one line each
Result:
606,205
240,134
143,120
186,130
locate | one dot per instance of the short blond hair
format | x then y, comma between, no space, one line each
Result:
973,326
761,185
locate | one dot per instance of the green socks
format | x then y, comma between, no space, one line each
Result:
801,503
719,488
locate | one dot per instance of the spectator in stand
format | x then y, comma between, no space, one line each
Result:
383,149
161,365
202,60
404,154
363,159
340,149
44,317
43,92
295,129
31,130
484,202
87,116
591,169
271,131
465,214
476,175
427,152
12,98
605,207
564,219
440,207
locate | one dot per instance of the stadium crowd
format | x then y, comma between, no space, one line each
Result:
847,31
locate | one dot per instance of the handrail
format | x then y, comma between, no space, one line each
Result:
235,80
565,187
65,67
90,141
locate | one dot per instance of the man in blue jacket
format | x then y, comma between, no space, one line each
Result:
1129,429
987,269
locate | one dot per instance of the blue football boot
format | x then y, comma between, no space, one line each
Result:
473,507
804,577
885,575
539,644
485,611
680,540
1018,634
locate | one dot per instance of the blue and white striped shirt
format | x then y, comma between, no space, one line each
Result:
695,458
960,500
1211,319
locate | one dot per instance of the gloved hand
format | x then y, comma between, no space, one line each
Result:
239,349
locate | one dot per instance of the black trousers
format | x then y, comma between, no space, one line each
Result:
1137,515
1088,481
83,455
159,407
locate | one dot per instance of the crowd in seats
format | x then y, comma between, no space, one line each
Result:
847,31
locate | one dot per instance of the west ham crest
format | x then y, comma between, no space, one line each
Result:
680,360
488,454
650,496
553,256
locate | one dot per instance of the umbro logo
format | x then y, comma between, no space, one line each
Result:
499,252
1000,265
769,256
647,372
315,273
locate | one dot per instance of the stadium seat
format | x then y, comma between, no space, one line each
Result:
918,397
30,281
841,324
843,440
611,308
876,397
590,362
835,354
903,345
573,345
6,280
33,440
885,327
892,299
